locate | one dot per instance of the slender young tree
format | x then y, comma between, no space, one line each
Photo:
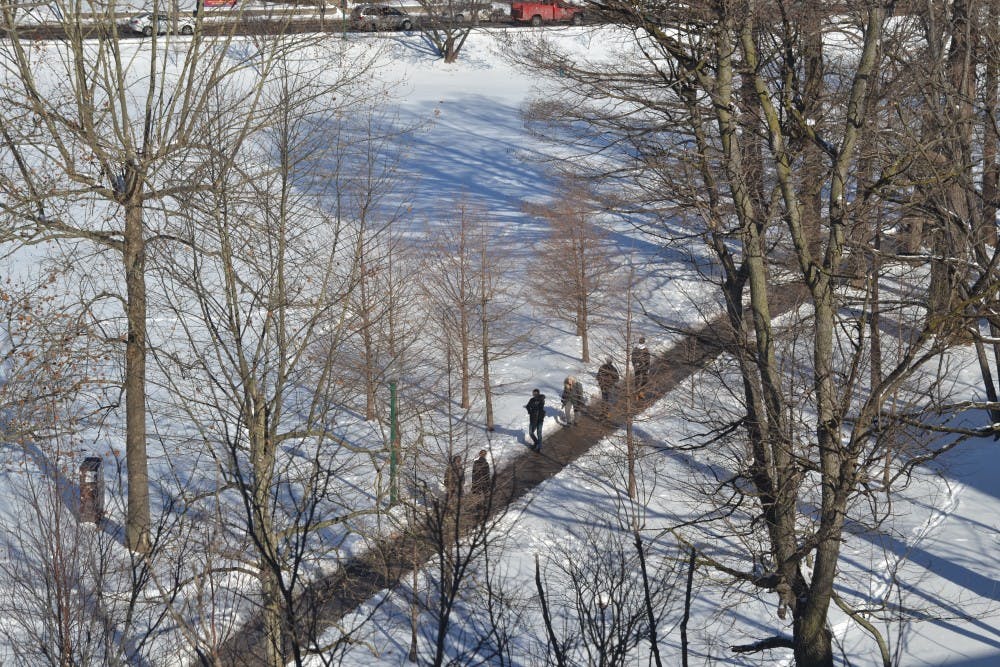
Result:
366,187
575,265
71,594
498,298
612,599
451,294
454,534
469,291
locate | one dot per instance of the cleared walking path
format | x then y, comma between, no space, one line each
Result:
330,599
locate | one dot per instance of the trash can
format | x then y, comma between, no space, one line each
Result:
91,490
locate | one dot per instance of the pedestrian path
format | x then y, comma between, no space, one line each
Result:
387,561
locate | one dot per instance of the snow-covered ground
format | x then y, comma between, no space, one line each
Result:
467,142
942,544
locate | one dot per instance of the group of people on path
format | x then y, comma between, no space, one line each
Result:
572,403
573,400
454,477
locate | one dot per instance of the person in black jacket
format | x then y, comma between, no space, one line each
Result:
536,415
481,483
481,474
607,378
454,479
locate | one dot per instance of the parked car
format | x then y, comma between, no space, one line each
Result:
460,11
537,12
144,24
380,17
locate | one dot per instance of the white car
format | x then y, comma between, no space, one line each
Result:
380,17
143,24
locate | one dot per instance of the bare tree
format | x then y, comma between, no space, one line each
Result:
51,359
469,291
726,127
447,24
365,187
454,534
51,586
117,127
498,298
47,576
71,593
451,293
953,201
575,265
612,595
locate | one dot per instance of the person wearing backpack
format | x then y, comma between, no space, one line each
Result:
572,400
536,415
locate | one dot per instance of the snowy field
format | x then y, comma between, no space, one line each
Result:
943,544
463,139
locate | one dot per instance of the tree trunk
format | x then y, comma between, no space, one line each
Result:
957,216
262,459
487,390
991,139
813,171
371,377
812,639
464,339
813,644
137,519
271,594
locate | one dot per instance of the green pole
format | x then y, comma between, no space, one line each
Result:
393,445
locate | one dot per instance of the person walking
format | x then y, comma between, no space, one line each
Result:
640,364
481,480
607,378
481,474
572,400
536,415
454,479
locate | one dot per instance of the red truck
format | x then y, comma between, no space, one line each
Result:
545,11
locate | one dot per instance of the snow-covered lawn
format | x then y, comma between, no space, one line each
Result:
933,566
